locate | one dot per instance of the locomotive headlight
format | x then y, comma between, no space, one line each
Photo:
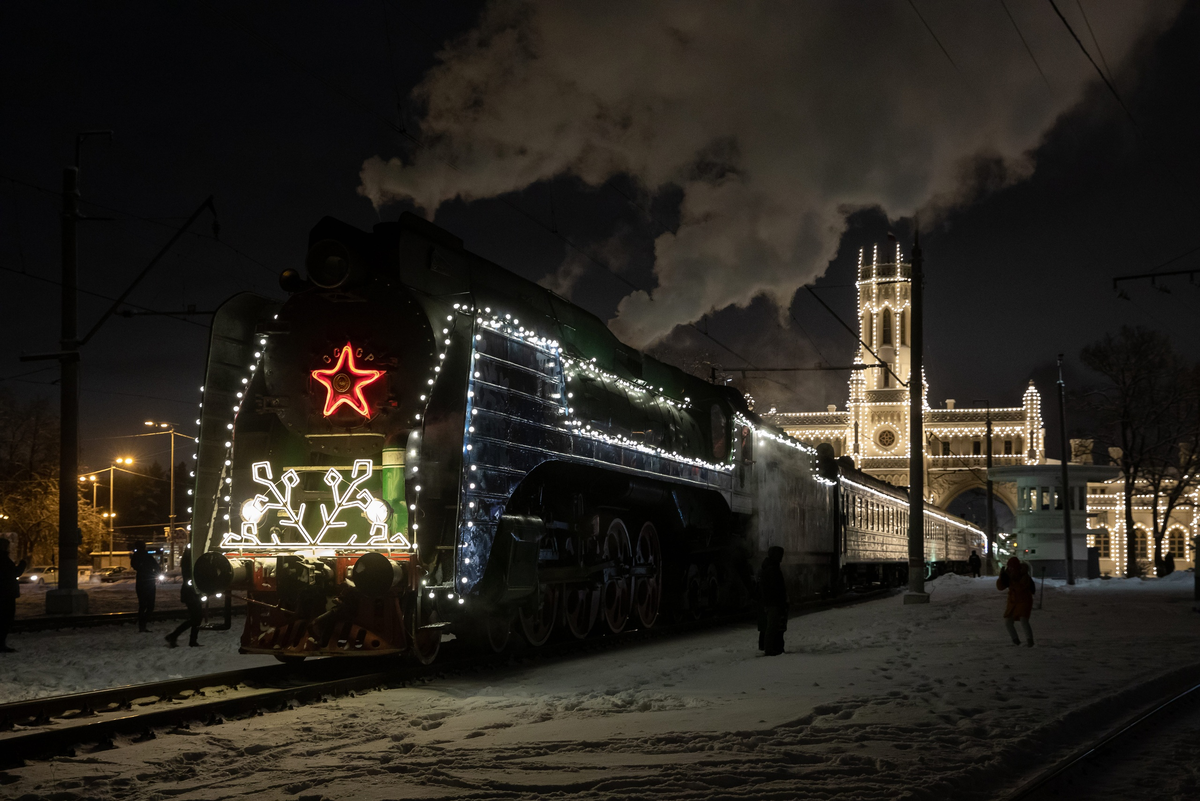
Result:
378,511
252,511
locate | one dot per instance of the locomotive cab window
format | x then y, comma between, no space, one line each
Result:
746,445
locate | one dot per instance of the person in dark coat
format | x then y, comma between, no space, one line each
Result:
1016,579
1169,563
191,599
974,563
10,589
772,594
148,570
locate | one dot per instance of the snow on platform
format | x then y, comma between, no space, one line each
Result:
876,701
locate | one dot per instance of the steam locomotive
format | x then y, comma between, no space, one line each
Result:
419,443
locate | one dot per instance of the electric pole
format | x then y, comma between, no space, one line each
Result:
67,598
991,515
1065,495
916,441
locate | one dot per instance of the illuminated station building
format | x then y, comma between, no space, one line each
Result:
873,430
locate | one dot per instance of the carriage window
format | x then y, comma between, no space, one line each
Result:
946,448
976,448
1008,447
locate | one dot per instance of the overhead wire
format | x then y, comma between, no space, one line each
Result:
1095,41
935,37
143,218
1025,43
1092,61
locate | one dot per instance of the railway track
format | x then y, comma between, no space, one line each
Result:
64,725
1175,700
52,623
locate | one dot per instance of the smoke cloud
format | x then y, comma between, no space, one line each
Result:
775,120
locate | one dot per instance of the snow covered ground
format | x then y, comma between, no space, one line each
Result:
119,596
876,701
77,660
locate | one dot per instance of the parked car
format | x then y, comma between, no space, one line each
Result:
118,573
45,574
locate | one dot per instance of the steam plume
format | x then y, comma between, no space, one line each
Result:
775,119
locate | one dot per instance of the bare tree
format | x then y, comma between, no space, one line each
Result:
1147,412
29,479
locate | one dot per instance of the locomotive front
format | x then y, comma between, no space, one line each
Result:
308,479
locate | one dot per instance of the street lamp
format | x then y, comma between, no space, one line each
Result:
169,429
110,514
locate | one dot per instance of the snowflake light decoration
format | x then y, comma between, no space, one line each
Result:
346,495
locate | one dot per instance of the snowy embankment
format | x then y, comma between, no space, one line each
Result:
876,701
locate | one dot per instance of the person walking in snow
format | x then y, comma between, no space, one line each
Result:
1168,563
148,569
1016,579
772,594
973,564
191,599
10,589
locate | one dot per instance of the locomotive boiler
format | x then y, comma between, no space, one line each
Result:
418,443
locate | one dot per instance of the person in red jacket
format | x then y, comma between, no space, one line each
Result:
1016,579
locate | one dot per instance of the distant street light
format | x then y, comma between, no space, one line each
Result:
110,514
169,429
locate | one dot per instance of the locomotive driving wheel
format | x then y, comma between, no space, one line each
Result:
617,593
537,616
496,629
424,635
647,576
579,608
580,599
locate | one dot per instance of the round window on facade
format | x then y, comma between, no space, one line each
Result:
886,438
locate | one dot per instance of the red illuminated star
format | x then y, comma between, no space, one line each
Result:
345,381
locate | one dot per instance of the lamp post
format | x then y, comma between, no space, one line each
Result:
169,429
112,474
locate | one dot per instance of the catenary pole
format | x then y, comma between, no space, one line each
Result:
1065,495
916,440
991,513
67,598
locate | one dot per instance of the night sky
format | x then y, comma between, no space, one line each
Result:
783,140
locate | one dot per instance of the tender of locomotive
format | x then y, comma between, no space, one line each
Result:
418,443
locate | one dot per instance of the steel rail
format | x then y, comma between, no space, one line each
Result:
1049,781
52,622
306,684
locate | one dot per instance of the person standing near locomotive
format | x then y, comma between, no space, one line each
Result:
10,589
974,563
147,569
191,599
1016,579
772,595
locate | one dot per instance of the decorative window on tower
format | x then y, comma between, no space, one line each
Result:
1008,447
903,326
945,448
885,336
976,448
870,328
